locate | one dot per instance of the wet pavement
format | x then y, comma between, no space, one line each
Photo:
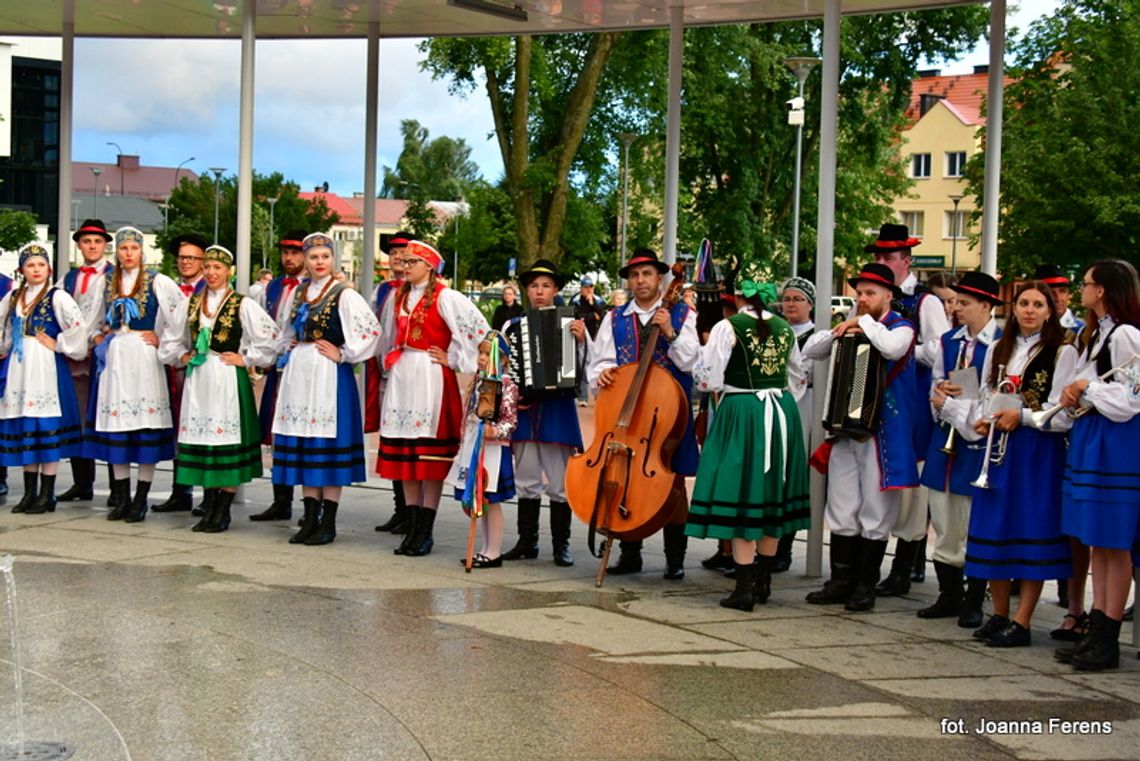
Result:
148,641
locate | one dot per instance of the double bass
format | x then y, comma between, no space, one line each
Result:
622,486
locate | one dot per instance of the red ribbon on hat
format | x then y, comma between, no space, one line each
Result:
424,251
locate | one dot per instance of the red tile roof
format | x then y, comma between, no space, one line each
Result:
151,182
349,215
962,93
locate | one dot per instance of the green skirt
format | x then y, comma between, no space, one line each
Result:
226,465
734,498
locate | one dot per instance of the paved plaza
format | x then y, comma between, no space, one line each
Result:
148,641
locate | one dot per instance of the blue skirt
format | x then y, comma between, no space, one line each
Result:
505,488
339,461
1015,525
37,440
146,445
1101,491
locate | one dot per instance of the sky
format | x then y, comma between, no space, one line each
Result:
169,100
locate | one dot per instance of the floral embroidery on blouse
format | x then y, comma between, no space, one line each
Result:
508,413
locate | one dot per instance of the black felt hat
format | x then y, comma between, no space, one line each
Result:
189,239
643,256
980,286
892,238
543,267
879,274
92,227
1052,275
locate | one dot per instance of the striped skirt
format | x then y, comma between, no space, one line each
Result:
339,461
227,465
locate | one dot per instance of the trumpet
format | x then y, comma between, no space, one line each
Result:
1042,417
951,438
1004,398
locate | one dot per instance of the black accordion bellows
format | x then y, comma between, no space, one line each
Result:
855,388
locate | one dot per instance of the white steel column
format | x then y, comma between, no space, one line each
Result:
824,260
66,80
371,108
673,130
991,203
245,146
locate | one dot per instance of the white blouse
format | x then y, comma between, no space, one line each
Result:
715,354
683,352
1117,398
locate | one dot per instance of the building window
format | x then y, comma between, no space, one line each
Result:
955,163
920,165
959,230
914,222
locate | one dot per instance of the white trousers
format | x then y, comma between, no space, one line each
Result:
535,460
855,504
950,515
910,526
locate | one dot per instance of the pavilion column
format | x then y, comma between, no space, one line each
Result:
66,90
245,146
991,194
673,130
372,107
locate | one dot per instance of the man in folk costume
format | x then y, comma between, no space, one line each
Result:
927,315
619,342
865,478
1053,276
374,373
5,289
39,418
86,284
189,252
219,436
429,333
277,300
546,434
949,477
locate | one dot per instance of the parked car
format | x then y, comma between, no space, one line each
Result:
841,306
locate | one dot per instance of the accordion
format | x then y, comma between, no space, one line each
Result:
544,355
854,388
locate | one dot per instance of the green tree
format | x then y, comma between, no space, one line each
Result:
1070,151
16,229
438,170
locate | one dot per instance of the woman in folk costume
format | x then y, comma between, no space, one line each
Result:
39,416
219,434
492,405
129,412
318,434
752,480
1101,492
429,332
1015,524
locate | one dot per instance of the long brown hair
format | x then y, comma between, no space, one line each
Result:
1052,332
1121,296
406,287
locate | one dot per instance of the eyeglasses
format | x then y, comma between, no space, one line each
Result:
405,263
1088,284
191,258
793,299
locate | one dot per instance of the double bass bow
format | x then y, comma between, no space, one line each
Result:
622,486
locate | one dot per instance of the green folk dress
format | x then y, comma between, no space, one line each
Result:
753,475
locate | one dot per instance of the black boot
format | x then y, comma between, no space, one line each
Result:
675,545
31,484
309,522
422,541
282,507
209,499
219,518
970,617
918,575
181,500
629,561
1063,593
526,548
762,584
139,506
838,588
560,516
871,553
111,481
783,560
326,531
897,582
45,500
120,500
1103,653
410,534
1097,623
720,561
949,602
82,479
399,517
3,483
743,597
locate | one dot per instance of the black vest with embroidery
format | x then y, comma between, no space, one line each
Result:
226,335
1037,377
324,317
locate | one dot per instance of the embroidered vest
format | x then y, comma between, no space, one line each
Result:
1104,356
896,437
5,285
1037,377
758,363
426,326
629,335
72,279
226,335
146,301
42,319
323,321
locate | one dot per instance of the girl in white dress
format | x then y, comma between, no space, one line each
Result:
318,434
129,412
219,434
39,417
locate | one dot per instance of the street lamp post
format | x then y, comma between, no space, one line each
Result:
801,67
217,170
178,170
75,214
272,231
96,171
627,139
954,232
119,160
